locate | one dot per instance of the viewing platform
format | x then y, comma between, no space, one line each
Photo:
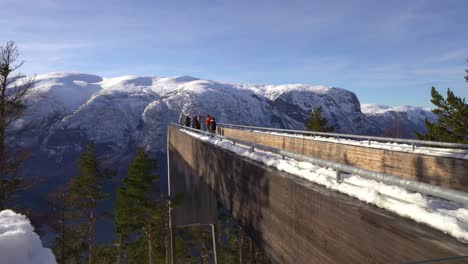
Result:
320,214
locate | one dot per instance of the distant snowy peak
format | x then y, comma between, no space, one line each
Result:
376,109
400,121
371,109
69,76
274,91
417,114
60,94
405,108
68,89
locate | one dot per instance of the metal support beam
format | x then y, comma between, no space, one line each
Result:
172,236
215,245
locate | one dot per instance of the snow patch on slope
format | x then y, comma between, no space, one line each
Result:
371,109
18,242
64,90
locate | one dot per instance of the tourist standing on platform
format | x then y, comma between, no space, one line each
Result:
198,123
202,124
187,121
181,119
194,120
208,123
213,125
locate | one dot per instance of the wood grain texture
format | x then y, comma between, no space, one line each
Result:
442,171
297,221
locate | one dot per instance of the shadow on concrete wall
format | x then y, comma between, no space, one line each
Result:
196,203
459,179
240,186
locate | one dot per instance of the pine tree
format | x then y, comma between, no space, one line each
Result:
235,246
138,213
13,91
70,241
466,77
452,118
318,123
81,201
105,254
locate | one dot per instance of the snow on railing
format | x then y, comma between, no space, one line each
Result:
414,143
429,189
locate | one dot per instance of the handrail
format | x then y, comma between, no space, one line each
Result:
413,142
433,190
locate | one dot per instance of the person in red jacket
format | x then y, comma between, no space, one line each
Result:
208,123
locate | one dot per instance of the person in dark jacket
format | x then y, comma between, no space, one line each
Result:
213,125
197,123
194,122
187,121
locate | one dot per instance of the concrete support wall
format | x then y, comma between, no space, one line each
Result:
296,221
442,171
195,202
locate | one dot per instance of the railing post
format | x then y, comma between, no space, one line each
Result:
172,234
339,176
413,145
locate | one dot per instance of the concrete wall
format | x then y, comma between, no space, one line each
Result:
442,171
296,221
196,203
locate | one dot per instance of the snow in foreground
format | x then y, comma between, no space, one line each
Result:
432,151
448,217
18,242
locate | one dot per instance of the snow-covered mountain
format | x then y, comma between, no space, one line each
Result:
121,113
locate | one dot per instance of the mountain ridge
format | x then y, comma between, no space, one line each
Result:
121,113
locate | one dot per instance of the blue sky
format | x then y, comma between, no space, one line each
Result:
387,52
